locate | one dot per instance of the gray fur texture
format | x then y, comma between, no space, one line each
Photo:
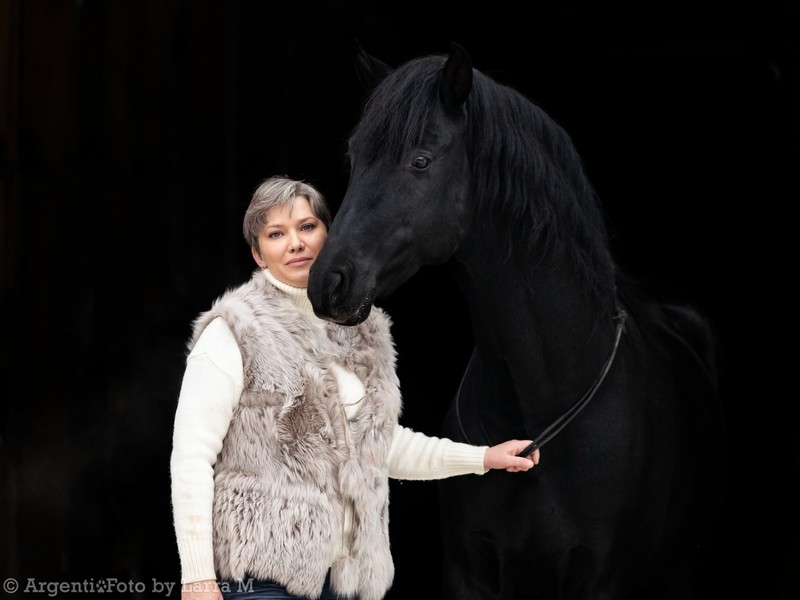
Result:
285,472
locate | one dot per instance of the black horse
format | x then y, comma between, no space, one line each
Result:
447,165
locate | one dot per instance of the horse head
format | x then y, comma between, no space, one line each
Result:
406,204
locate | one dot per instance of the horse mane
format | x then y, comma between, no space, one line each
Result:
527,175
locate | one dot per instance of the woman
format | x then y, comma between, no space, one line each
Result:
286,430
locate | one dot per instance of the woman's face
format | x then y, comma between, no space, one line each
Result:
290,241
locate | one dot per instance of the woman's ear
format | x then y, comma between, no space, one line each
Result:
257,257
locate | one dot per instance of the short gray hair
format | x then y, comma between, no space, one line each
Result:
277,192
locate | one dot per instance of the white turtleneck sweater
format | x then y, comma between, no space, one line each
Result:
212,385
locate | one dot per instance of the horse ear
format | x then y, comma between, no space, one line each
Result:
370,70
456,81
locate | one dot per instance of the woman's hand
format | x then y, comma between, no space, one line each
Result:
504,456
207,589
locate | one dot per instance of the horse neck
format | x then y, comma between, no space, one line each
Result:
551,337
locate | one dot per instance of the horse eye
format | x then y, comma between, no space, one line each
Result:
421,163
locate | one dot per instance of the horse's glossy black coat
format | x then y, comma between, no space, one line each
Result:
449,166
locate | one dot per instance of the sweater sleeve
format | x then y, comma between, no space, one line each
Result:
414,455
212,384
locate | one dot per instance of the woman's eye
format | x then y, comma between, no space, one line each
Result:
421,163
274,235
308,227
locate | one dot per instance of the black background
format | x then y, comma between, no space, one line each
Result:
132,134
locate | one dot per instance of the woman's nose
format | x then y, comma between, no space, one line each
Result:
296,243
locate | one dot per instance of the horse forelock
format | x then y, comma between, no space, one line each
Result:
395,114
527,177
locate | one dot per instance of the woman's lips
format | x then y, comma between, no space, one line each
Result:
298,261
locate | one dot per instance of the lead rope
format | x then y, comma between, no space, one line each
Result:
559,424
565,418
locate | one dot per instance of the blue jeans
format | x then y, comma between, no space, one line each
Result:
258,589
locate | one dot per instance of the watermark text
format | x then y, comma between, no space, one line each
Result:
114,585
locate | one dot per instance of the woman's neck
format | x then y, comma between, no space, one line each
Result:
298,296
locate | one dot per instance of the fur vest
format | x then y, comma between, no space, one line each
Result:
288,465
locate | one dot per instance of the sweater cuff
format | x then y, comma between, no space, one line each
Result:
197,559
466,457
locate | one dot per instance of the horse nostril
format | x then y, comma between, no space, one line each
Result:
338,284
